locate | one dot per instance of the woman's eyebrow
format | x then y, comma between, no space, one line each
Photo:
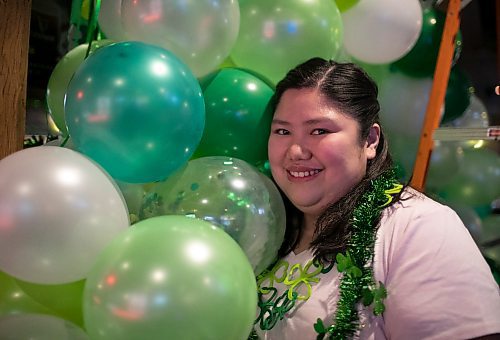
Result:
280,122
307,122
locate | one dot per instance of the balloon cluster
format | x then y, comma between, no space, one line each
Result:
157,211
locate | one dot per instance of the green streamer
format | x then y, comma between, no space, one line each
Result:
358,284
92,30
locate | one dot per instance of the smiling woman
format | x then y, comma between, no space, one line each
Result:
364,256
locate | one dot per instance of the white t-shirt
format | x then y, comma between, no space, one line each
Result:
439,285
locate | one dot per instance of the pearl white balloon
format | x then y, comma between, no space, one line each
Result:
381,31
39,327
110,19
403,103
58,210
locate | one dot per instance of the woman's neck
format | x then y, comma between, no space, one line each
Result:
308,228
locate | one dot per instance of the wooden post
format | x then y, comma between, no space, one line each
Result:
437,95
14,43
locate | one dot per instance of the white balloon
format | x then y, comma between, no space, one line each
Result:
381,31
110,19
403,103
476,115
200,32
58,210
39,327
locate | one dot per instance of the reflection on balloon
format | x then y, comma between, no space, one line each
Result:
232,195
238,115
38,326
381,31
59,209
135,109
201,33
275,36
171,277
60,77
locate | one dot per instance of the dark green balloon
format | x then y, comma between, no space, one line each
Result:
457,97
422,58
238,115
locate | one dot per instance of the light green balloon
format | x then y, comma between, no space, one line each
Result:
344,5
64,299
13,300
477,181
275,36
171,277
231,194
60,77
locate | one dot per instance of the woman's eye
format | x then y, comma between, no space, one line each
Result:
319,132
281,132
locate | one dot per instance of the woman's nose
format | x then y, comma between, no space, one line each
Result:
298,151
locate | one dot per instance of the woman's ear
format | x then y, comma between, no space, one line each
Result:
372,141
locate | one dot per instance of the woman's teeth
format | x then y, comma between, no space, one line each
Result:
303,173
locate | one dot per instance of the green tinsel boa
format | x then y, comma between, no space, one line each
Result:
358,284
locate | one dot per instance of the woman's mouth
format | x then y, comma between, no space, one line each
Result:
303,174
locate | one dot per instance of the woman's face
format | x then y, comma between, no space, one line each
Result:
314,150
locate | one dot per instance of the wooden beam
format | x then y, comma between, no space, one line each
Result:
437,95
14,43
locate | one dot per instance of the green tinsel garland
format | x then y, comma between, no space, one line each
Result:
357,283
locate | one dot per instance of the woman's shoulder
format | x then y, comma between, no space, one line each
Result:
415,208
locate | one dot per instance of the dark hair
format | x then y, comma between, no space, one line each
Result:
348,88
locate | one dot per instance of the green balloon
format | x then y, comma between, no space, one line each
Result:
275,36
171,277
64,299
13,300
458,93
477,181
238,115
421,60
344,5
60,77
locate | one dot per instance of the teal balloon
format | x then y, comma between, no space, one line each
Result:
421,60
458,93
135,109
232,195
238,115
171,277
